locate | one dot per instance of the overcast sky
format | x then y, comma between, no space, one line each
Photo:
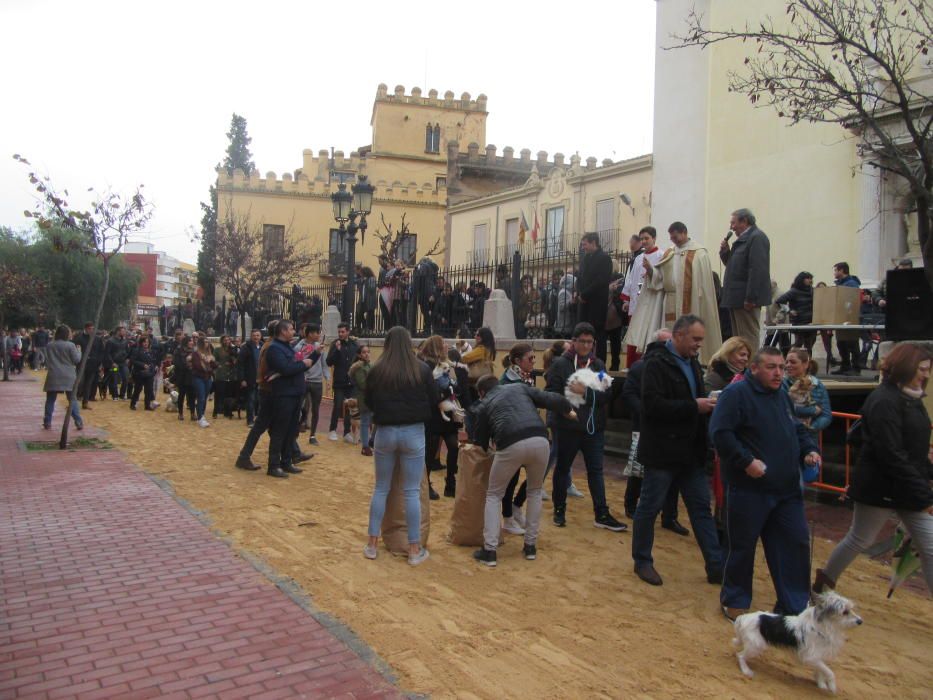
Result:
120,93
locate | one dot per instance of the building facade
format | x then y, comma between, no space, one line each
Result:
819,202
406,162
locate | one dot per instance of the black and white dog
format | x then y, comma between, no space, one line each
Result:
817,634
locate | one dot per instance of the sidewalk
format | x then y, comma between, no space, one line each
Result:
111,589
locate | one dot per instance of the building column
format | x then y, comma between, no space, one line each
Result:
871,267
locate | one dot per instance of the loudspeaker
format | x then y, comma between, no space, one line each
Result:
909,309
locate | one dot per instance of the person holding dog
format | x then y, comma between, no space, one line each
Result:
672,446
507,415
762,447
585,432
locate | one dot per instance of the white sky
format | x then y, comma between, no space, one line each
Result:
100,93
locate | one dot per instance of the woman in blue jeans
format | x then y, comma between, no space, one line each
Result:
402,395
202,376
61,357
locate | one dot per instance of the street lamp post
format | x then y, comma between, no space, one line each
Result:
347,207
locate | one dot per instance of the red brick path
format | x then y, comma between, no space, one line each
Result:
111,589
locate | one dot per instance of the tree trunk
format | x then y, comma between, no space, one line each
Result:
63,442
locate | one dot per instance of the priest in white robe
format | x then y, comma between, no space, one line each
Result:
634,286
679,283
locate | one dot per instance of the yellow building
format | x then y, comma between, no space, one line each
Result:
406,162
566,199
807,184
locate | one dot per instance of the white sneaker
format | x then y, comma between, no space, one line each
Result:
419,557
349,438
154,405
332,436
203,423
369,551
509,525
574,491
518,516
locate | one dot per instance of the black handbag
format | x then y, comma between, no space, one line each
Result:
854,434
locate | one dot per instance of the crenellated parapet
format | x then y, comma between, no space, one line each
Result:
488,157
318,185
448,101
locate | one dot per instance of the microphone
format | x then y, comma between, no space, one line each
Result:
729,235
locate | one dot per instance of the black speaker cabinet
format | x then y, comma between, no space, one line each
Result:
909,309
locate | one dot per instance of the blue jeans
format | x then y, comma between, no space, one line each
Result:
252,403
403,444
50,397
569,442
694,488
366,418
780,522
202,387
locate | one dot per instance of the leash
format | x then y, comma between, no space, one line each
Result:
591,420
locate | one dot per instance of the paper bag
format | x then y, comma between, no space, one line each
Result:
394,524
466,523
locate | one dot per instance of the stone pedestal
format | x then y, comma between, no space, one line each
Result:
329,322
188,327
498,316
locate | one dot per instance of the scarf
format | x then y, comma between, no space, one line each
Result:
579,362
912,393
515,372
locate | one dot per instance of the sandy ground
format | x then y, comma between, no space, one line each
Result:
575,623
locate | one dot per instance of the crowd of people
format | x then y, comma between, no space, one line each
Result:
730,428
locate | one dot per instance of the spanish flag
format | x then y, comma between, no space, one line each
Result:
534,231
522,228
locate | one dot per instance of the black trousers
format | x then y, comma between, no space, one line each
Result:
260,425
185,392
453,450
283,429
140,383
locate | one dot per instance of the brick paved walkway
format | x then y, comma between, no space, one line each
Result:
109,588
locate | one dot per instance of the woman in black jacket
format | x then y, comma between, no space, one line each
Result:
800,300
144,363
401,394
894,467
433,352
181,373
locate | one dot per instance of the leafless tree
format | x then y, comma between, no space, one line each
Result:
861,64
391,240
102,231
251,265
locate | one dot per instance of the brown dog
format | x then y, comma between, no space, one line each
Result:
351,408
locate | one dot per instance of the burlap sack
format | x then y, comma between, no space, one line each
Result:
466,523
394,525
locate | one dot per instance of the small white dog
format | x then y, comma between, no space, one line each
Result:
817,634
172,404
597,381
446,378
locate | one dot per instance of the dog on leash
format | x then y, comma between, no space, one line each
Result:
597,381
351,408
817,634
172,404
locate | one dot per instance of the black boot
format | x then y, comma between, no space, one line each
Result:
450,487
432,494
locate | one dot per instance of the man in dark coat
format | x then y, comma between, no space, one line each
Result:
341,355
672,446
593,286
762,448
247,369
287,389
85,340
747,284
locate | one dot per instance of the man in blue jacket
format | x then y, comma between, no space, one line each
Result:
287,387
761,447
847,341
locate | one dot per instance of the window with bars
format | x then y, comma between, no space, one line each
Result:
337,253
432,138
273,240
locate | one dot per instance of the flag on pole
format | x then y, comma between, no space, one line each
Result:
522,228
534,231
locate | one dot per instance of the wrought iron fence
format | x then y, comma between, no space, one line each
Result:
538,277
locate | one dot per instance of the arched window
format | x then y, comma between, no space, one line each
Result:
432,138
